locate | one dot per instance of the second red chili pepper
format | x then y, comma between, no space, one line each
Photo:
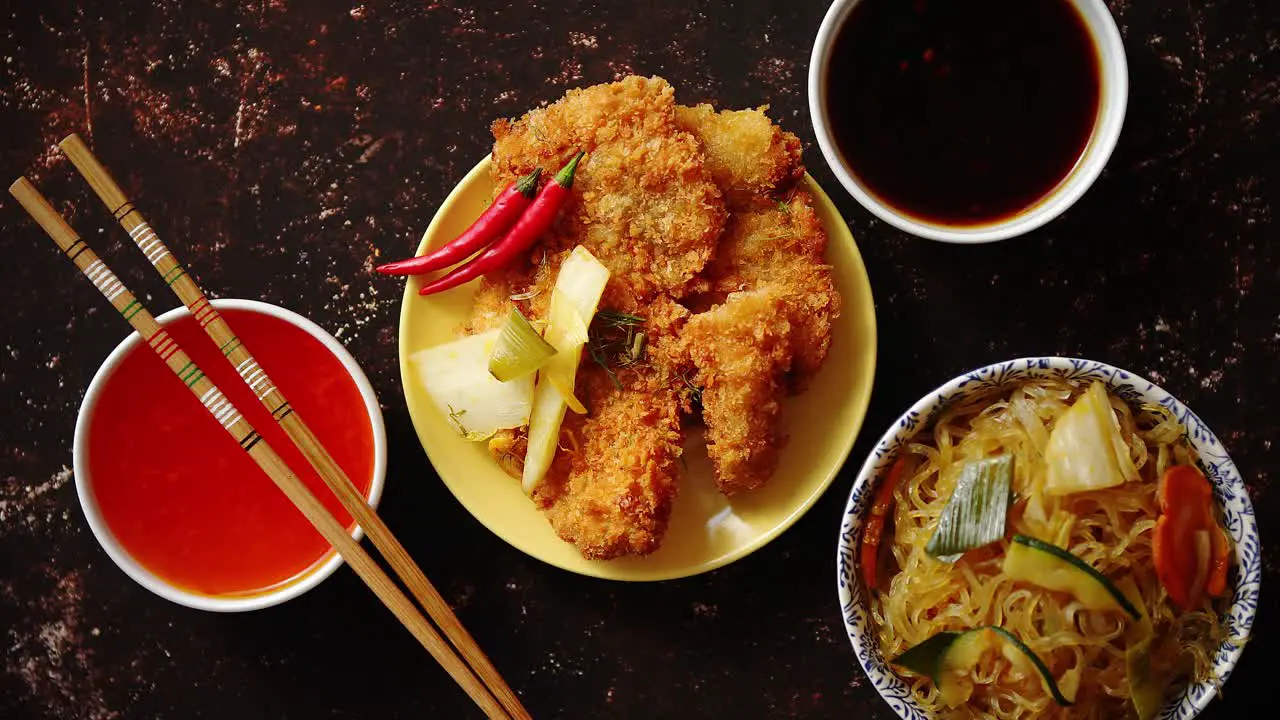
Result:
535,222
505,210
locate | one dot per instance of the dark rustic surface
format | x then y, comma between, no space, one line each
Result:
285,146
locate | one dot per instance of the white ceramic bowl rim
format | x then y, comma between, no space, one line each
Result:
1229,493
88,503
1114,71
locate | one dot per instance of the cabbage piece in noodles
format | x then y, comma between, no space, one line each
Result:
1086,450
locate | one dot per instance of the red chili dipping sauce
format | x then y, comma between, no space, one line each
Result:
178,492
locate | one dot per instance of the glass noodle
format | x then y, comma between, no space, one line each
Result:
1110,529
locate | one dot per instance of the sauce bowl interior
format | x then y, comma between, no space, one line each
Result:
288,588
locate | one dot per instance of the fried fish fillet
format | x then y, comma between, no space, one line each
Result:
644,202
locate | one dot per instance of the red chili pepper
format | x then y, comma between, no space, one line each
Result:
500,216
532,225
869,558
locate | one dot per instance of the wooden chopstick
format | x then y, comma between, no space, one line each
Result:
185,287
234,423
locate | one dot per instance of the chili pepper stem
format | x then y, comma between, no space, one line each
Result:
564,178
527,185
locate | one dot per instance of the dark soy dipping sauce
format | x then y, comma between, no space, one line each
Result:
962,113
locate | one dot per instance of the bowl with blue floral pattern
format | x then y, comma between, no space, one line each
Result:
1239,605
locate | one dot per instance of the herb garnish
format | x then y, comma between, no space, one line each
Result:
455,416
616,340
695,392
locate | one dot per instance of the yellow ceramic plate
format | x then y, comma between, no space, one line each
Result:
707,530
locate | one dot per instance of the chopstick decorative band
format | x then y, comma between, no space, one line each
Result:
256,378
220,407
149,243
105,280
76,248
282,411
164,345
124,209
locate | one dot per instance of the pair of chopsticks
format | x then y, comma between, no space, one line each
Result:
489,691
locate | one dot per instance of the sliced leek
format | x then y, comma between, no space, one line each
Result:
976,513
573,304
475,403
567,331
519,351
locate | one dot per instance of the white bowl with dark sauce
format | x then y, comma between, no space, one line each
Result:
967,122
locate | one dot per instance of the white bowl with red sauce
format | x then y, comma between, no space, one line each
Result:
967,122
171,497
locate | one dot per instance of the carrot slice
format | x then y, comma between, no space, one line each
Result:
869,555
1186,509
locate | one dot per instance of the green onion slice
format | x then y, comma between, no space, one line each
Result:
519,351
975,514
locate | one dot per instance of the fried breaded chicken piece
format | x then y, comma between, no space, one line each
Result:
643,202
614,497
767,336
617,497
771,296
742,350
645,205
781,245
749,156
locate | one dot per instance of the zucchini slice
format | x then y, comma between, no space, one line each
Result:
926,658
519,350
1053,568
948,659
1045,676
